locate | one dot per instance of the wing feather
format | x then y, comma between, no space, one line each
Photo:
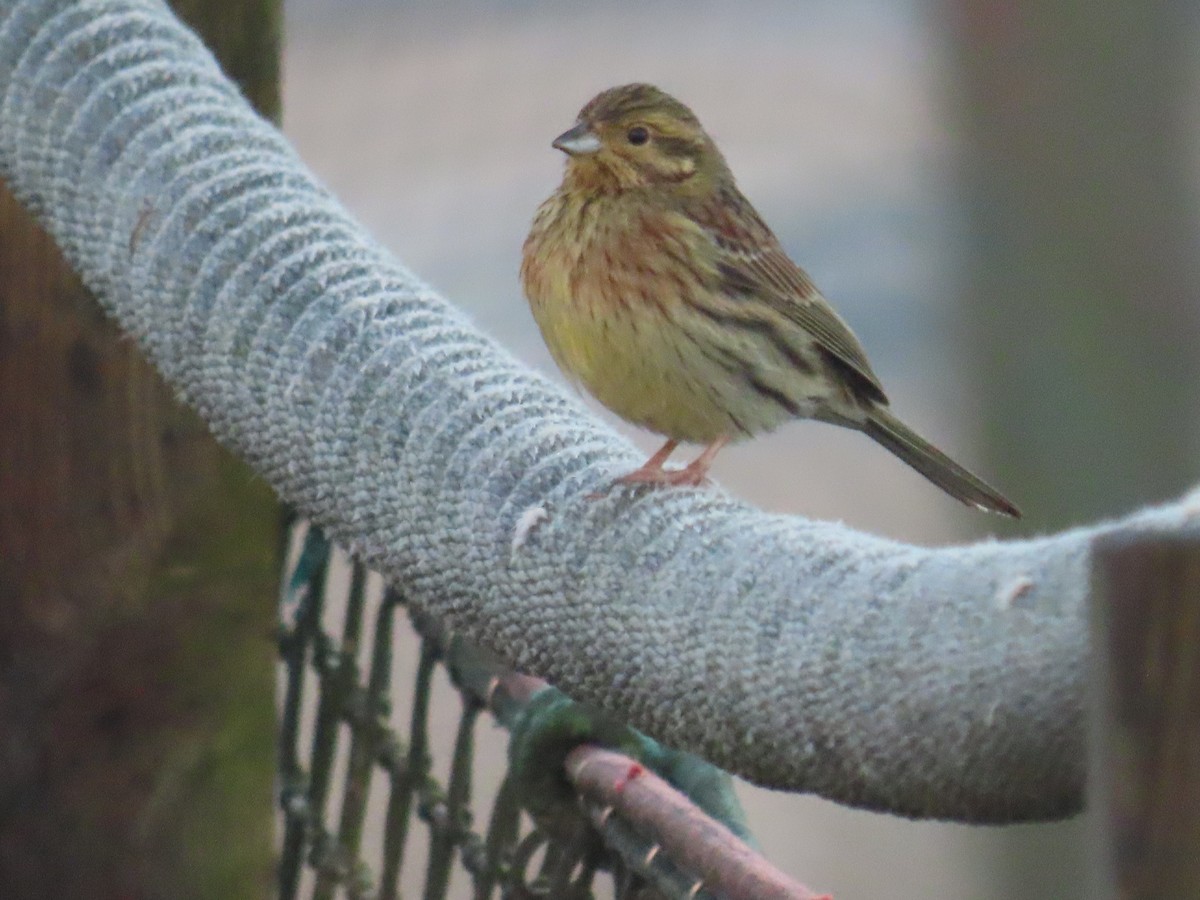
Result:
751,261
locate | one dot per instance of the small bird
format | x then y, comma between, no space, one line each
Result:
657,286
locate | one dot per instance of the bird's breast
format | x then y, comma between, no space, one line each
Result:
616,294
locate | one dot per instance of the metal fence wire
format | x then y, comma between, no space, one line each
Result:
565,812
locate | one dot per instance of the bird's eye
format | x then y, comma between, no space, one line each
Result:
637,135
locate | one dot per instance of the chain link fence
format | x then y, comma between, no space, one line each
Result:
355,775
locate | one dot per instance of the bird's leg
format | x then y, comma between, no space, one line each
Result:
652,472
696,472
693,475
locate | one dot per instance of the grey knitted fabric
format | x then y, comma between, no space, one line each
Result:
799,654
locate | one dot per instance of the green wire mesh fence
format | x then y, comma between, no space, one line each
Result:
354,776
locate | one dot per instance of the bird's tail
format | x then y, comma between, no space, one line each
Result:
935,465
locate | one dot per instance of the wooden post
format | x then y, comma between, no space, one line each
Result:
138,564
1078,313
1145,788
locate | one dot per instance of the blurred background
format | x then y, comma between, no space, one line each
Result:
1000,198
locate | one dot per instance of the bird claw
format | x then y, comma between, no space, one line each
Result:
652,473
688,476
685,477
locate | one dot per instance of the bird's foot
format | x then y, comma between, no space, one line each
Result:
689,476
694,474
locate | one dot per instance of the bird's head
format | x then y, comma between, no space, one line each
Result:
636,137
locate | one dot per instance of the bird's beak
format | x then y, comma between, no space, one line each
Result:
579,141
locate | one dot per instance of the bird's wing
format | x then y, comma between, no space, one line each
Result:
750,261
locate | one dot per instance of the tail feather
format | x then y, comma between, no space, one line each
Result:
935,465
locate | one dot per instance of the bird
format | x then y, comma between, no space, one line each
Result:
659,288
